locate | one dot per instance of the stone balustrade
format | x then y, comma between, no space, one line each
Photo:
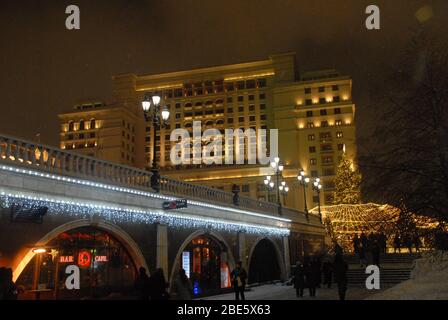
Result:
52,160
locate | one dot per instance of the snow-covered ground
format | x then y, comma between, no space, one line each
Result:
429,281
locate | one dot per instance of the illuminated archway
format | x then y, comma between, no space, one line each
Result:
128,243
214,236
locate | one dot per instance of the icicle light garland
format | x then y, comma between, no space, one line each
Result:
117,214
134,191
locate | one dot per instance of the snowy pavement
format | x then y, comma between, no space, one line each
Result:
280,292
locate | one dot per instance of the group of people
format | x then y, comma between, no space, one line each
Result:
8,289
155,287
408,241
308,274
152,287
373,244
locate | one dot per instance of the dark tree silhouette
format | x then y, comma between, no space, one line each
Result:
407,159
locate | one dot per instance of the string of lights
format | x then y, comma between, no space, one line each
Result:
134,191
119,214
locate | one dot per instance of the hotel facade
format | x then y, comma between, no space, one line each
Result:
313,112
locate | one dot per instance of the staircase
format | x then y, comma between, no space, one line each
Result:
394,268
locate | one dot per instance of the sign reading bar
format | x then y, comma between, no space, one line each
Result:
175,204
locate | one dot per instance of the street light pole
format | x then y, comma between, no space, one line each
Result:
158,118
284,191
317,187
304,180
278,169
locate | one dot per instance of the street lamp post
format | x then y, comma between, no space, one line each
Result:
304,180
158,117
317,187
278,169
267,183
284,189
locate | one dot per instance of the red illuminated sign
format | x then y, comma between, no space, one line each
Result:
84,258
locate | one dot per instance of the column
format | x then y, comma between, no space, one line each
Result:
162,249
286,256
242,252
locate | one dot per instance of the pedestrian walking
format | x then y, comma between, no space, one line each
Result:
417,242
397,243
299,279
183,286
327,269
340,275
312,275
356,243
142,284
239,276
376,251
8,289
158,286
383,242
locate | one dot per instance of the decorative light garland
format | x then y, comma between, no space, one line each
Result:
343,221
117,214
134,192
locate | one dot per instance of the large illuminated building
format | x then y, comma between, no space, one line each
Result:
313,112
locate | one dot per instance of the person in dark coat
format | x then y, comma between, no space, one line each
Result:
239,276
142,284
8,289
417,242
327,269
383,242
340,268
376,251
364,241
312,271
299,279
158,286
397,243
183,286
356,244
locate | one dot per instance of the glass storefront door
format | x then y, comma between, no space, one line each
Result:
208,272
105,267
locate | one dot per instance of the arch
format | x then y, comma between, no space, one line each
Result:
278,253
93,123
71,126
117,232
191,237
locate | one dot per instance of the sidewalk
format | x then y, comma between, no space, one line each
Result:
279,292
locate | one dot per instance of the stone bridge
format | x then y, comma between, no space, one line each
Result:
106,218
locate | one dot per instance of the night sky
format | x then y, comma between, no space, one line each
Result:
45,68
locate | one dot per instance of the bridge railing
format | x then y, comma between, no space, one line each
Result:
57,161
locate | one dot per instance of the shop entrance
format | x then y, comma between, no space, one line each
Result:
264,265
205,263
105,267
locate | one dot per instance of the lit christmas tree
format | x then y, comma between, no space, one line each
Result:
347,183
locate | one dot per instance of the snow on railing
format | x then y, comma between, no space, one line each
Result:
57,161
